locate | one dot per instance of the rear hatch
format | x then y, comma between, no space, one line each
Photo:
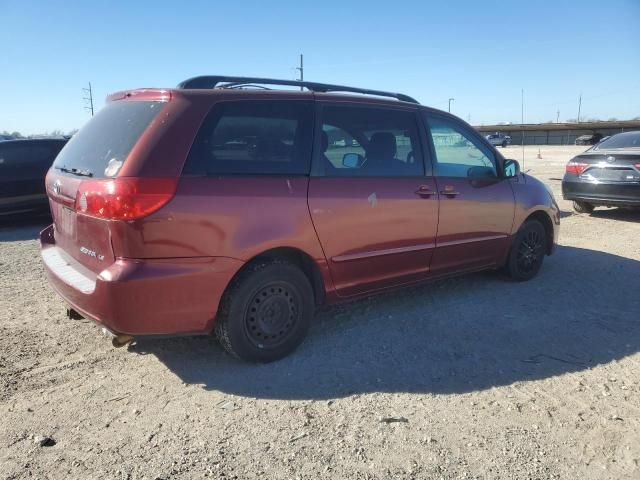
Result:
85,173
610,166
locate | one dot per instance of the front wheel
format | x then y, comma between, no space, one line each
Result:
504,144
265,312
527,252
582,207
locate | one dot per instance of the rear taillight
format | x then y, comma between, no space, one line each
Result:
124,198
638,166
576,167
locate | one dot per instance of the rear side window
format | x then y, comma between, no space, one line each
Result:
369,142
253,137
101,147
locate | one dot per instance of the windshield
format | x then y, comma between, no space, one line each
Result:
101,147
621,140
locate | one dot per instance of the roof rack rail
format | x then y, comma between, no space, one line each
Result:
220,81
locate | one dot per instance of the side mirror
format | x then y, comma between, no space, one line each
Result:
352,160
511,168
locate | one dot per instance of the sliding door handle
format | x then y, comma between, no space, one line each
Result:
449,191
424,191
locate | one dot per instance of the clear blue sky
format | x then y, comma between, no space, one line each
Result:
480,53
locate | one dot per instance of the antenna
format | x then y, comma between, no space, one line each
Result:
88,99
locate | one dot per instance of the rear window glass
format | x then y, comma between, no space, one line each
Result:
101,147
622,140
253,137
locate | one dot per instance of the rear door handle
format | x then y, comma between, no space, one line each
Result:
449,193
424,191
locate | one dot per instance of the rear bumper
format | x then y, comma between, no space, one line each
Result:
141,297
614,194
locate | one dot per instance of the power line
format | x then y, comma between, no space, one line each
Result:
88,99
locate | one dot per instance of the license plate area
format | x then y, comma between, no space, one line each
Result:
66,222
612,174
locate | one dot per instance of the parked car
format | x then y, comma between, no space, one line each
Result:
210,207
590,139
606,175
23,166
498,138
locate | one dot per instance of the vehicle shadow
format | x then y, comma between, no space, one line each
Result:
621,214
459,335
27,227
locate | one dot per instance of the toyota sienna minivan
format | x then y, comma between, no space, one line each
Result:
227,205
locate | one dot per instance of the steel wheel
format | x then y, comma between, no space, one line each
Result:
266,311
271,315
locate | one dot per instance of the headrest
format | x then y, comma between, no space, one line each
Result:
382,146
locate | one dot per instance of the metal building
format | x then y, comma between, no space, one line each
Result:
558,133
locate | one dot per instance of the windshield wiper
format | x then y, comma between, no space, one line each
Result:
75,171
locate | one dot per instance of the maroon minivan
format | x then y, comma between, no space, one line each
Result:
223,205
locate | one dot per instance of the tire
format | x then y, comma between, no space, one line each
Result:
504,144
527,252
583,207
266,312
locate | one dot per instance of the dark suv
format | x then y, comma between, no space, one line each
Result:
222,206
23,166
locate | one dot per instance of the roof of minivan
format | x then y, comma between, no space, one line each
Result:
209,94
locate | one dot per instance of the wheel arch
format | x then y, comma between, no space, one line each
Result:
544,218
296,257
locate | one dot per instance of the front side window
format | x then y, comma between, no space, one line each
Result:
253,137
458,153
367,141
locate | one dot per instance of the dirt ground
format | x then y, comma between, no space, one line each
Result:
475,377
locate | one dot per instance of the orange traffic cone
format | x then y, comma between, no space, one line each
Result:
539,155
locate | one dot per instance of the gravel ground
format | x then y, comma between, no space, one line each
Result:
475,377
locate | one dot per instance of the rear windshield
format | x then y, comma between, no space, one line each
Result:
101,147
622,140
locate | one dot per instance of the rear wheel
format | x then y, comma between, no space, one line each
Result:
527,252
266,312
583,207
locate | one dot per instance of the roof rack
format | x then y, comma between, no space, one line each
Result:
219,81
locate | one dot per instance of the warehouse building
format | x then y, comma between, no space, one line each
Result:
558,133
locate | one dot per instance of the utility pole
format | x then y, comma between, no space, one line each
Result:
450,100
558,117
522,123
579,106
88,99
301,70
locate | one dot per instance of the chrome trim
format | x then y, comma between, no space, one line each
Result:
470,240
379,253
